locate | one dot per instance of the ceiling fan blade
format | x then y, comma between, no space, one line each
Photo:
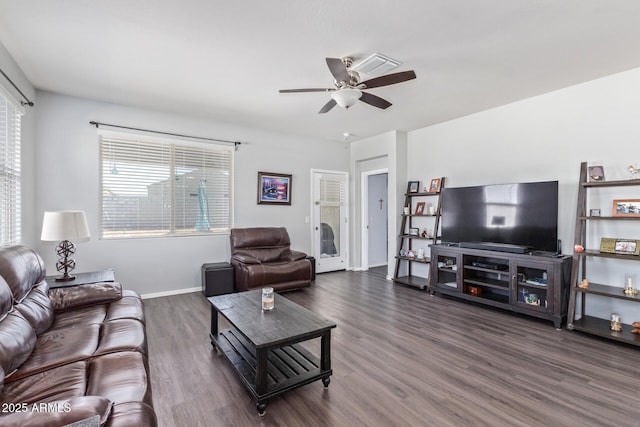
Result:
305,90
338,70
328,106
374,100
389,79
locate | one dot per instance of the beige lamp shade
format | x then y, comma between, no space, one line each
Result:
65,225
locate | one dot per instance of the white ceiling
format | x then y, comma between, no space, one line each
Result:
226,60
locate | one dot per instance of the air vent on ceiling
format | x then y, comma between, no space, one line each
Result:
376,65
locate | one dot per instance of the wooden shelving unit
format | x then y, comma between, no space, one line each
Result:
586,323
407,241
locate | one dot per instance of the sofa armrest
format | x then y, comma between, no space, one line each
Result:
245,259
73,297
296,255
59,413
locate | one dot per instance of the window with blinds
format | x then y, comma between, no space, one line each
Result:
153,188
10,176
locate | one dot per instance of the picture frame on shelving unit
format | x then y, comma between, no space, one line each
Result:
596,173
626,207
434,187
414,231
420,208
413,187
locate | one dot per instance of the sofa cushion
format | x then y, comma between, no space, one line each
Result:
6,299
17,341
63,382
120,377
22,268
37,309
60,413
82,316
59,347
122,335
130,306
132,414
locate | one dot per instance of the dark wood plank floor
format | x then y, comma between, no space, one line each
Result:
401,357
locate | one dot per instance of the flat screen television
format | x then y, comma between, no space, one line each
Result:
522,214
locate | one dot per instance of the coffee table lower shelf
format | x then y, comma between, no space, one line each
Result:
288,367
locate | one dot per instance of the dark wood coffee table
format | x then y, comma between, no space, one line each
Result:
263,346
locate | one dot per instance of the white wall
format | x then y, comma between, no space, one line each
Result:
28,122
385,151
546,138
67,178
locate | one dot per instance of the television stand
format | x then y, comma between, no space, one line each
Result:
533,284
499,247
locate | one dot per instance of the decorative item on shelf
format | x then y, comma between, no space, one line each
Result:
626,207
432,210
64,226
434,187
524,293
414,231
424,233
596,173
414,186
403,252
629,290
636,327
615,323
610,245
420,208
476,291
406,210
420,254
267,299
411,254
532,299
584,284
578,248
634,171
594,212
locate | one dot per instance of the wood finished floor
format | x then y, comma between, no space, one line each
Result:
400,357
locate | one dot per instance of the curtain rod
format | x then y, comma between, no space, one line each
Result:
23,103
98,124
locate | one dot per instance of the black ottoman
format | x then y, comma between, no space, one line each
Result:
217,279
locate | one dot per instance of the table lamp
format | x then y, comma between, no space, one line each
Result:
64,226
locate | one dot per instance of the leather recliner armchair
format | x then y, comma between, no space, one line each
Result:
261,256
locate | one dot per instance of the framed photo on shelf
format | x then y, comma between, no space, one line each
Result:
596,173
594,212
434,187
274,188
414,231
414,187
626,207
610,245
420,208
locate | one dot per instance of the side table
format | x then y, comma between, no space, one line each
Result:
83,279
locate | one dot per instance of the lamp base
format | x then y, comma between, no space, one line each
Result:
65,278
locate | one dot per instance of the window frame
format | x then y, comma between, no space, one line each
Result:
172,143
11,215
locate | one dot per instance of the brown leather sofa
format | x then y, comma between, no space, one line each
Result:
69,354
261,256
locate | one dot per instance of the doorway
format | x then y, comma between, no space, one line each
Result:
375,211
330,215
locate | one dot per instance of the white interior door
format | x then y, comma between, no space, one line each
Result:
330,236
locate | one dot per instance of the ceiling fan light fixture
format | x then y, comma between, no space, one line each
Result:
346,97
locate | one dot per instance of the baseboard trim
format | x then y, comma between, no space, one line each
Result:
169,293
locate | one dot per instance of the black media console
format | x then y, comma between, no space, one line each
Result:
536,284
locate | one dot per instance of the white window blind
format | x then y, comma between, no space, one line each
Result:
10,176
154,188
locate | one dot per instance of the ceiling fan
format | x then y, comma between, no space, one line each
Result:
349,89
